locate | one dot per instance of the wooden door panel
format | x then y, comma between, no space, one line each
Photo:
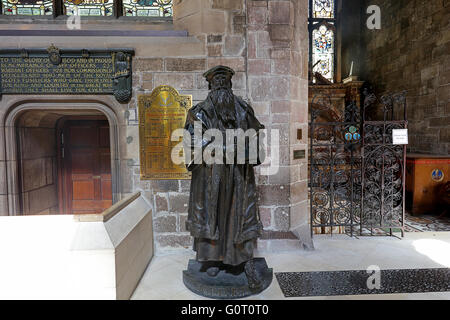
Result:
105,162
88,166
91,204
82,177
97,188
83,136
83,190
104,137
83,161
106,190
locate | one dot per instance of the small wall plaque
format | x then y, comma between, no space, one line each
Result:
299,154
160,113
399,136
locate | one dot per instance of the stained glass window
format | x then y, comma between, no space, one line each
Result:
323,9
27,7
88,7
323,51
322,28
133,8
147,8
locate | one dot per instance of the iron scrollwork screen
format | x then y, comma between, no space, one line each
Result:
357,174
335,167
383,204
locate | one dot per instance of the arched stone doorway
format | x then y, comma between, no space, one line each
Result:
39,120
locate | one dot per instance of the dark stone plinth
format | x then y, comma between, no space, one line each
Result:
229,283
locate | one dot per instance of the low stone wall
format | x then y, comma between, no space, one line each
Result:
76,257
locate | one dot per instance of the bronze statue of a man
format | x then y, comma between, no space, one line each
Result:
223,213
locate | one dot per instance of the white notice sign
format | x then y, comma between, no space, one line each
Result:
399,136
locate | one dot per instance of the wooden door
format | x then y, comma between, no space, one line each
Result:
86,159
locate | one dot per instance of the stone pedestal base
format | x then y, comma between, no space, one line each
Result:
229,283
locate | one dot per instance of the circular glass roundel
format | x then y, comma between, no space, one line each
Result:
348,136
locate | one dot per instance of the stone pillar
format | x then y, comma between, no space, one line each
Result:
278,90
3,182
218,27
266,43
204,16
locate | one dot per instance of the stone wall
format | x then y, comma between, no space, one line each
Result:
266,43
277,73
38,168
412,52
351,27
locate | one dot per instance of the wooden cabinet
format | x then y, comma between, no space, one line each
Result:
425,175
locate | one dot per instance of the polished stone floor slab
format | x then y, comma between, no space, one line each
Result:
358,282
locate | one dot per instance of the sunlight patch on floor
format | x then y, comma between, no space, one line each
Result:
436,250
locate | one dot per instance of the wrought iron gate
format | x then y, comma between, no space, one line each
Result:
357,175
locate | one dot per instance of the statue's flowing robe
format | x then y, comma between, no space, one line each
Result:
223,215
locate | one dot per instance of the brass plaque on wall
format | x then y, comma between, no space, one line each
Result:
160,113
299,154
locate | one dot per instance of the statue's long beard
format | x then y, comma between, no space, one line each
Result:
223,100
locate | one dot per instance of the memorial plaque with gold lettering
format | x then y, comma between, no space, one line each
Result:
66,71
161,151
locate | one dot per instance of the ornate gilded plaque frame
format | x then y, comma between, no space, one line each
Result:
160,113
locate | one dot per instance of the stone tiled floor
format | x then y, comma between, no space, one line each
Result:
163,280
428,222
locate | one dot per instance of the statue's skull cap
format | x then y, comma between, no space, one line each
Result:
218,70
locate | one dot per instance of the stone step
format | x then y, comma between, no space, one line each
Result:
277,241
